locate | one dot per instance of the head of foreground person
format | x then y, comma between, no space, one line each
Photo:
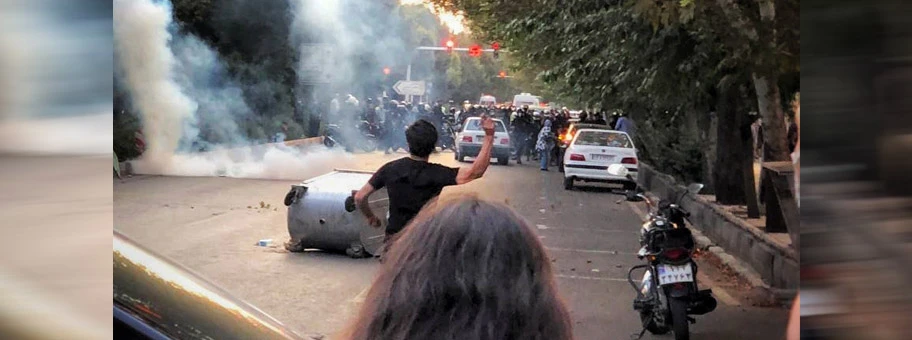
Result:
464,268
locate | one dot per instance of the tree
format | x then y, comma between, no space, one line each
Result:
636,59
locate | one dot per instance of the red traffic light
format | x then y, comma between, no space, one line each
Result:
386,70
502,74
475,50
495,46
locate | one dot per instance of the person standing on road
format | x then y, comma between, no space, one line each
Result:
544,144
464,269
413,181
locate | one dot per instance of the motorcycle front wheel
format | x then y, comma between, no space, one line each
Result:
679,323
650,324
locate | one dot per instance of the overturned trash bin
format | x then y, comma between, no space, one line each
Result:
322,215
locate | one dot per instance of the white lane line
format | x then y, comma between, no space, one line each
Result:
591,251
360,297
588,230
590,278
636,209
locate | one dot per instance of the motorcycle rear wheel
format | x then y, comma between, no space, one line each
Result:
679,323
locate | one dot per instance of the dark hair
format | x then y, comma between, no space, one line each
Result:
421,137
464,268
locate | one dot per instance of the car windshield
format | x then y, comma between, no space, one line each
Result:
475,125
603,138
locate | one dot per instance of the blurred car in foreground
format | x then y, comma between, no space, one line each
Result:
155,298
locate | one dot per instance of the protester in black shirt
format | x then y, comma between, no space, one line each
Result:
412,181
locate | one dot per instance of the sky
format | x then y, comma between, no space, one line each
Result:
453,21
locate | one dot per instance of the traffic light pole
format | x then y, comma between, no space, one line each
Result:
408,71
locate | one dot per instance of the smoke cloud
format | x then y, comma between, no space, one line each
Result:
178,85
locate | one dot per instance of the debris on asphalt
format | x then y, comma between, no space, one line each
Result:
595,270
588,261
541,226
262,204
541,211
266,242
572,269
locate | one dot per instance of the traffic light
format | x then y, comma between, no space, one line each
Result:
475,51
502,74
386,71
496,47
449,44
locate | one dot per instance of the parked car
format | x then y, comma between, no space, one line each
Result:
566,136
155,298
469,139
591,152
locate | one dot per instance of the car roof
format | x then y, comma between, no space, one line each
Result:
602,130
474,118
580,126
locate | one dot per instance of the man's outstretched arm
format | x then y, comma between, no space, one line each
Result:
480,165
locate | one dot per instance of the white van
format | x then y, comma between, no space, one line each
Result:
487,101
526,99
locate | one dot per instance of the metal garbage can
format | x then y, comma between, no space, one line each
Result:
322,215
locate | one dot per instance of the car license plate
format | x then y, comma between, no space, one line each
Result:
674,274
599,157
479,138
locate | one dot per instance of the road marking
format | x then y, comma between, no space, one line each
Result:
586,229
590,278
360,297
636,209
592,251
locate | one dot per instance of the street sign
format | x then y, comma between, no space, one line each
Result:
410,87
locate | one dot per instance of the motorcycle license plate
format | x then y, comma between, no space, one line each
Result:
673,274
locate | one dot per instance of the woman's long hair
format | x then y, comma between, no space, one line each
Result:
464,269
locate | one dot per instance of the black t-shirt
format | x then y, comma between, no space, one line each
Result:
410,184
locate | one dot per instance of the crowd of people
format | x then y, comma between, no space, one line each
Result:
463,267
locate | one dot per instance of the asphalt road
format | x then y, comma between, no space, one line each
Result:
211,225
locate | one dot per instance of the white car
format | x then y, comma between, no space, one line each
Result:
469,139
592,151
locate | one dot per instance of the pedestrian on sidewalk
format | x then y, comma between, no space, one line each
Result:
413,181
464,268
544,144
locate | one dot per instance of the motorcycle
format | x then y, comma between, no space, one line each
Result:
447,134
667,294
365,138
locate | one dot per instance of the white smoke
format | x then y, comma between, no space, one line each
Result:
177,83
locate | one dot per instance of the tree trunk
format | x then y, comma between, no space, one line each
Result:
728,176
775,146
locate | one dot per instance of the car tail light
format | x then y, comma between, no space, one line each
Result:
675,253
467,139
504,141
577,157
629,160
